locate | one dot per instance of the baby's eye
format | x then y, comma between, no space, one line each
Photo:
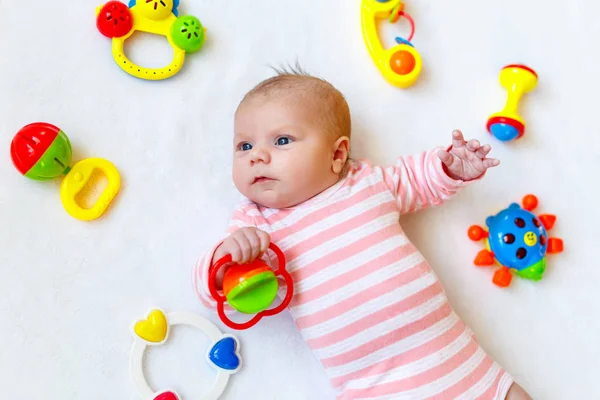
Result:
283,140
245,146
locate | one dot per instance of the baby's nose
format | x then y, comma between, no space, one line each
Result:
260,155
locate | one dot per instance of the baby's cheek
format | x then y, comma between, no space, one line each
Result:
239,180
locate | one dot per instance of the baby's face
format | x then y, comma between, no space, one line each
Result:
281,155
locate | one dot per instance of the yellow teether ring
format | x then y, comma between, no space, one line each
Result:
400,65
185,34
76,180
154,328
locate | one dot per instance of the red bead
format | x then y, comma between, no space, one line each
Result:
530,202
476,233
114,20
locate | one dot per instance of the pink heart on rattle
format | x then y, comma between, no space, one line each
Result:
167,396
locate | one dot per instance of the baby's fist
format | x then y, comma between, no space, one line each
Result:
244,245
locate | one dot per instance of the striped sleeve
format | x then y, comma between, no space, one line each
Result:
201,270
420,181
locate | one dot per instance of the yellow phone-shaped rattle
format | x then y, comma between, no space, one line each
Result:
400,65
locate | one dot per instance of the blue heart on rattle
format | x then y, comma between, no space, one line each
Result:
223,354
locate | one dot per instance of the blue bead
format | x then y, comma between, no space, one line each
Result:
223,354
504,132
400,40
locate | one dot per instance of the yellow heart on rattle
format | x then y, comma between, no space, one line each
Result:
154,328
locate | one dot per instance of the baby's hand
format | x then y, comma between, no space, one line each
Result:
244,245
466,160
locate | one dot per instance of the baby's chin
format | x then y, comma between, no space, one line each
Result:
272,198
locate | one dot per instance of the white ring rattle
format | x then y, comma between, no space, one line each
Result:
223,354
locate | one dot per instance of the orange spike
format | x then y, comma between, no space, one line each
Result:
548,220
555,245
502,277
530,202
477,233
484,258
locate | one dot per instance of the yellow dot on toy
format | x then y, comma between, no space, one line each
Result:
154,328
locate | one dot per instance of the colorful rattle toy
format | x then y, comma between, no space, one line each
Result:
507,124
42,152
223,354
118,22
400,65
518,241
250,289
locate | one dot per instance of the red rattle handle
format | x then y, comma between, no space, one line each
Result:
220,299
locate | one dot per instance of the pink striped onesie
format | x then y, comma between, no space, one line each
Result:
366,301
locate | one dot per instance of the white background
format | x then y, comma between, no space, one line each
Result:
70,290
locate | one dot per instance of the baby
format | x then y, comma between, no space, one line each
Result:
366,301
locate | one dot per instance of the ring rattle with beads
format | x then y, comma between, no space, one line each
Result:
223,354
507,124
400,65
118,22
250,289
42,152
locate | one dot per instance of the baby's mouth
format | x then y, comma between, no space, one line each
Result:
261,179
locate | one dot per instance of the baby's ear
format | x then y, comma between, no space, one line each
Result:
341,151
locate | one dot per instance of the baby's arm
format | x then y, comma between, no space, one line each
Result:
243,241
432,177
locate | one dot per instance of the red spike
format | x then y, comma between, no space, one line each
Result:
555,245
548,220
484,258
502,277
477,233
530,202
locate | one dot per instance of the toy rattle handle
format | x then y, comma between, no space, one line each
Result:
146,73
220,299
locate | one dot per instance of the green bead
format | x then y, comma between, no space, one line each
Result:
188,33
55,160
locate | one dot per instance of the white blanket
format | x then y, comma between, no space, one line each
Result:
70,290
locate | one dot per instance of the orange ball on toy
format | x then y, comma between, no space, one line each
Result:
402,62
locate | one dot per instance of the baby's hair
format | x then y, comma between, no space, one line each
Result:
324,97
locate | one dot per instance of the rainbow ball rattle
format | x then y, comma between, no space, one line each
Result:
507,124
400,65
118,22
41,151
517,240
250,289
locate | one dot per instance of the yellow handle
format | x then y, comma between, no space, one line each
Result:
76,180
153,74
